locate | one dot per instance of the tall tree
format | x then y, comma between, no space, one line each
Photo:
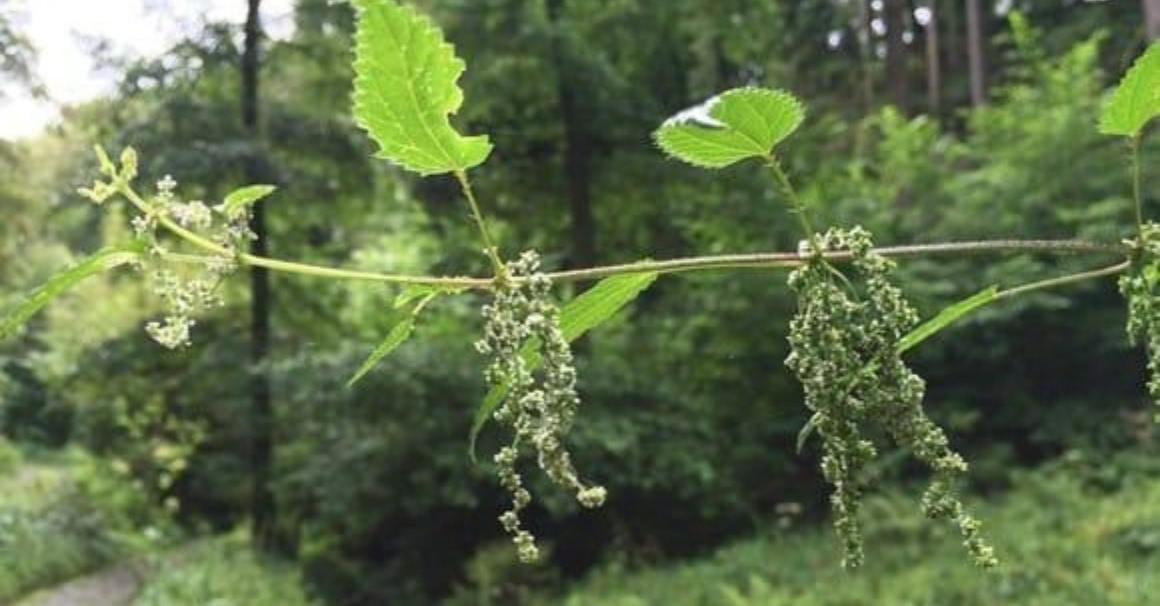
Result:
1152,18
262,417
17,56
933,71
577,145
897,75
865,34
975,53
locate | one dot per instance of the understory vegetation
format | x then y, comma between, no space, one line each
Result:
1076,531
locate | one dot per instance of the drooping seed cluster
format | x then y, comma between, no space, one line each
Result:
522,324
189,293
1139,287
844,350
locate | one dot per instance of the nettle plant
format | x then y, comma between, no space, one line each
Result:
848,338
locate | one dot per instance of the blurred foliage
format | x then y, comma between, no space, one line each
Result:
690,417
222,572
66,513
1067,535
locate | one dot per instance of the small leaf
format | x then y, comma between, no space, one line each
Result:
402,330
103,260
397,336
1137,98
946,317
241,199
592,308
738,124
416,291
405,90
107,167
806,430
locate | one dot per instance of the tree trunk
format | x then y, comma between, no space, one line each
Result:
897,74
975,53
261,409
933,70
866,50
1152,18
577,149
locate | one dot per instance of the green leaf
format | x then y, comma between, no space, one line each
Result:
402,330
738,124
587,311
806,430
100,261
405,90
418,291
946,317
398,334
240,199
1137,98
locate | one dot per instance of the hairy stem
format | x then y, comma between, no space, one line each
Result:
795,203
1137,197
484,234
686,264
1015,291
287,266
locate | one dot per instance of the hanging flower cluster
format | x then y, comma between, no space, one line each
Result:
1139,287
522,326
844,341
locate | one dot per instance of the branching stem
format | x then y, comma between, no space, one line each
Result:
766,260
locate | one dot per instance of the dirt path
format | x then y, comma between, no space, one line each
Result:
116,586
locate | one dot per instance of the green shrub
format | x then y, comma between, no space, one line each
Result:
223,572
1069,539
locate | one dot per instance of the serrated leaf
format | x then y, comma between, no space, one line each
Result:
592,308
1136,100
401,331
946,317
242,198
733,126
405,90
100,261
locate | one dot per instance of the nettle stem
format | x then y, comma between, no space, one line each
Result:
765,260
1111,270
1137,197
795,203
488,244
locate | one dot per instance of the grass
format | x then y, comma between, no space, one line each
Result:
1074,533
223,571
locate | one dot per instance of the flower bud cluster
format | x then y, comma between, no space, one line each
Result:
540,404
1139,287
188,293
844,351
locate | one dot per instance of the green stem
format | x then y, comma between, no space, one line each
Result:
1062,280
765,260
484,234
285,266
1137,197
795,203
